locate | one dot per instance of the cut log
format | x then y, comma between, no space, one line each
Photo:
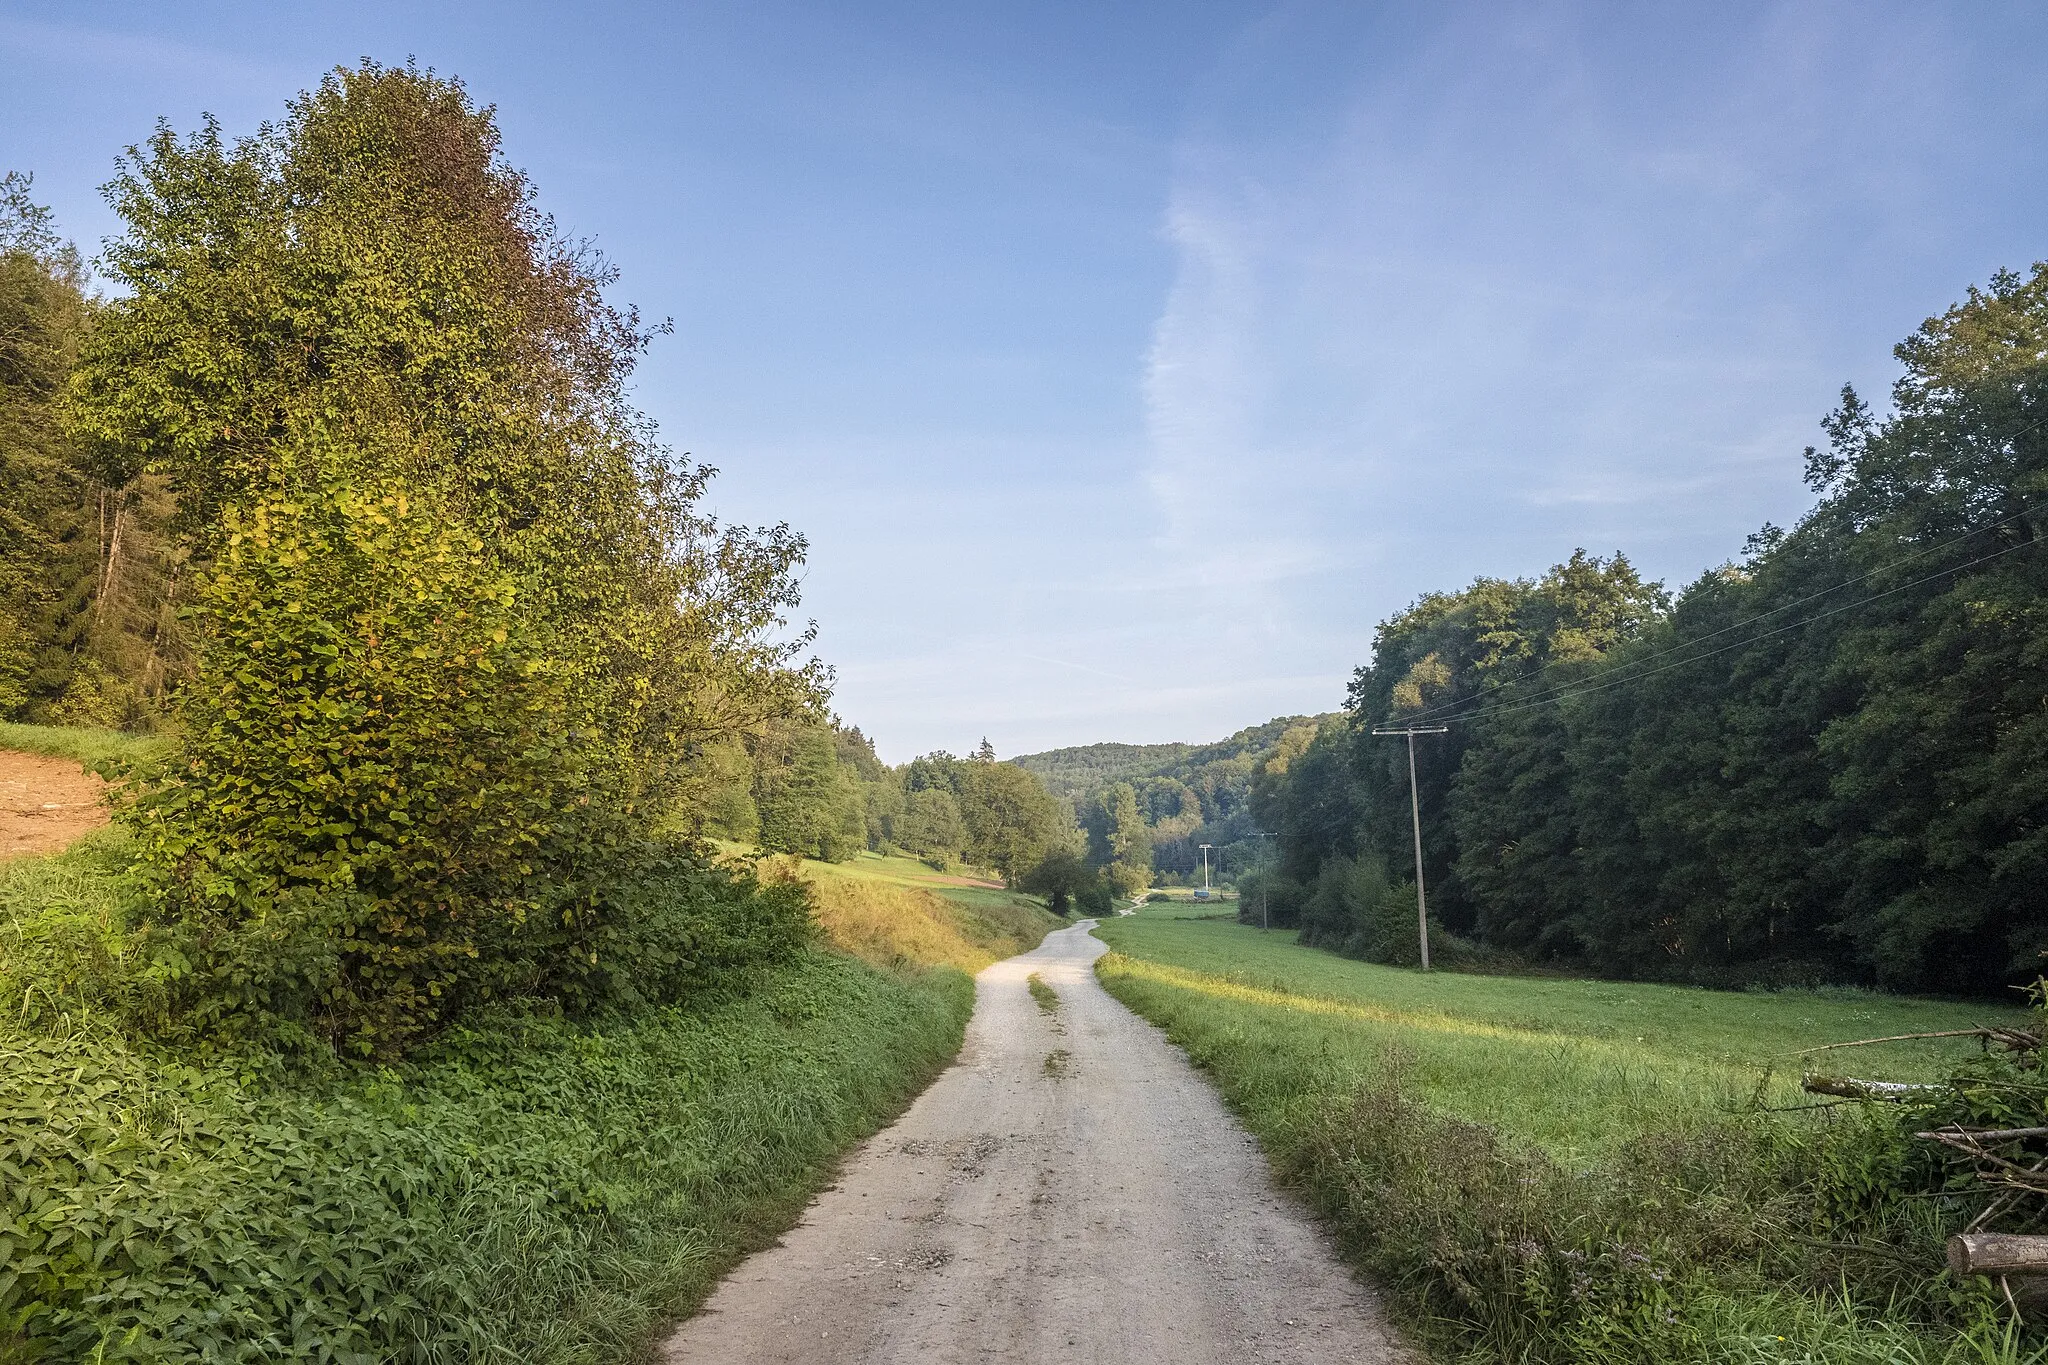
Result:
1850,1088
1997,1253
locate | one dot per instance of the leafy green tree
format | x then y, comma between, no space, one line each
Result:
1448,656
1010,818
809,803
378,382
1064,878
930,826
87,577
1127,840
725,807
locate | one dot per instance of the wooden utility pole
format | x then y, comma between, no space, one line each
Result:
1415,814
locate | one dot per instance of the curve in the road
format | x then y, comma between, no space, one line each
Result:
1071,1191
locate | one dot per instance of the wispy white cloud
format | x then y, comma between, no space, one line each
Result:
1526,283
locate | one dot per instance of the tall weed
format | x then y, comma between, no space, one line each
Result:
66,957
527,1190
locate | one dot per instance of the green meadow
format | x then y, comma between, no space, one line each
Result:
1553,1169
1571,1064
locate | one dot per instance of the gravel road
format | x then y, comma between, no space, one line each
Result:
1072,1191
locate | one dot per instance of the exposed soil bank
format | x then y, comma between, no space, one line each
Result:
45,803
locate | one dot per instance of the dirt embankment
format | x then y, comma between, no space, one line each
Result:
45,803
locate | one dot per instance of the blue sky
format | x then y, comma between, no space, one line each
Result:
1126,364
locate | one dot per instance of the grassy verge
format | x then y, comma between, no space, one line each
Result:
897,912
1554,1170
91,748
527,1189
1048,999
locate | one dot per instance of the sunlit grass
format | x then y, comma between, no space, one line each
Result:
1577,1066
897,912
85,746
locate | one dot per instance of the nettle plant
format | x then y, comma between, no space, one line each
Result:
377,772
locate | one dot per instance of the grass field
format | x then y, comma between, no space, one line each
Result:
1549,1169
1574,1065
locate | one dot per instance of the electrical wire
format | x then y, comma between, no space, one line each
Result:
1438,712
1601,685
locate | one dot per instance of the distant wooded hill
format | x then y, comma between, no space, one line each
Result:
1189,794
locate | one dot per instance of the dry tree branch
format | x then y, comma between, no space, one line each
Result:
2014,1040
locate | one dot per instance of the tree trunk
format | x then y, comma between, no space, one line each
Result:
1997,1253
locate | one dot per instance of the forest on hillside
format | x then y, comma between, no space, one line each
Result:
1823,761
1183,795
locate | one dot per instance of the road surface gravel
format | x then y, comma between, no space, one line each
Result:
1070,1190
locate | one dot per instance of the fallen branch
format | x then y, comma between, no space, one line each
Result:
1850,1088
1983,1134
2013,1179
1999,1035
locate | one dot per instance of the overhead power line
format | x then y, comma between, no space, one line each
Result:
1450,710
1603,684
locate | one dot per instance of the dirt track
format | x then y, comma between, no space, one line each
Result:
1070,1191
45,803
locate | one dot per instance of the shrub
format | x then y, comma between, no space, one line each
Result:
375,793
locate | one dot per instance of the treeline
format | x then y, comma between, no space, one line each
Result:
88,568
1826,761
812,787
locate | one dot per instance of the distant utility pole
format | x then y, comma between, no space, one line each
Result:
1415,813
1265,921
1205,865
